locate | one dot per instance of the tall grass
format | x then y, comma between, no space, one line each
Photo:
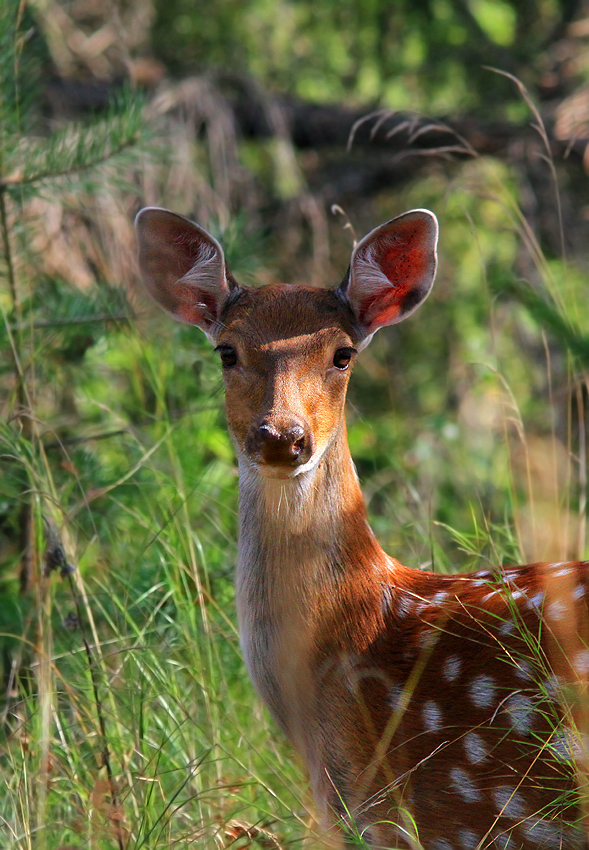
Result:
127,719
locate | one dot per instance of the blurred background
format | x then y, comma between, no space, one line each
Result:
287,129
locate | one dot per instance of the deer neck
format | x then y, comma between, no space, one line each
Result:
305,548
309,531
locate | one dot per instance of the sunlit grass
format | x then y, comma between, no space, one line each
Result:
130,721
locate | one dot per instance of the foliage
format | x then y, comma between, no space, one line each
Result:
126,716
427,55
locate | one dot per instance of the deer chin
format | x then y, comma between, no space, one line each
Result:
282,472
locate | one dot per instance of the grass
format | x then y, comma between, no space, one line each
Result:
126,717
130,721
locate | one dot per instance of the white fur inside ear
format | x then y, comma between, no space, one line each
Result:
208,272
392,270
206,278
367,274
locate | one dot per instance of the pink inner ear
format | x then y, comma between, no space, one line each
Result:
403,262
186,248
194,307
393,270
407,267
182,267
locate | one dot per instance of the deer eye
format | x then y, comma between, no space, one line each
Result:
342,357
228,355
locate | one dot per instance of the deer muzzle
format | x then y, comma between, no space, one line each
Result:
287,444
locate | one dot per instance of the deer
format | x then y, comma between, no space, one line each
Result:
431,710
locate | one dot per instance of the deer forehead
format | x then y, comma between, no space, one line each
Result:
287,320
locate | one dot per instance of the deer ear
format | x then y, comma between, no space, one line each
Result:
182,267
392,271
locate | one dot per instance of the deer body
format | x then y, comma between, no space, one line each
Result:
424,706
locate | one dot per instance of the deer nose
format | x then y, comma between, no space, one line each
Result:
279,445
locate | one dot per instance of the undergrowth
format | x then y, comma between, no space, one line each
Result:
126,716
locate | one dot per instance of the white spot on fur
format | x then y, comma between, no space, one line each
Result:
536,601
488,596
432,716
482,691
544,833
465,786
475,748
427,639
510,803
581,662
398,698
440,596
441,844
559,745
469,840
451,668
405,604
501,841
579,592
553,687
511,575
524,671
565,745
482,578
506,628
521,712
557,609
